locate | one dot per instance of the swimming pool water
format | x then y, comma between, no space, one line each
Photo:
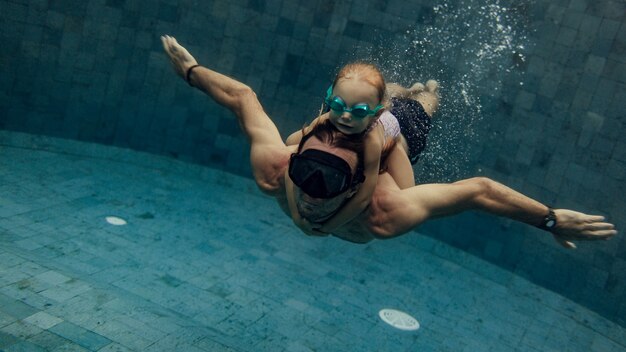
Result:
208,263
532,96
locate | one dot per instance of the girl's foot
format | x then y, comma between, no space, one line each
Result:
417,88
432,86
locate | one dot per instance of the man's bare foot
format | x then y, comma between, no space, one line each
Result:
576,226
180,58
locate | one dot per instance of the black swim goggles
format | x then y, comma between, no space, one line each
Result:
337,105
322,175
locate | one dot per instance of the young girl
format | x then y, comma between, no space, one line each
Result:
355,105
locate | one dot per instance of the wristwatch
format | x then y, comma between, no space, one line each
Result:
549,221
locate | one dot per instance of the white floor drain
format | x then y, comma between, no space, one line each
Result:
114,220
399,320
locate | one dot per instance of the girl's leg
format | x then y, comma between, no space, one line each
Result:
427,95
399,167
395,90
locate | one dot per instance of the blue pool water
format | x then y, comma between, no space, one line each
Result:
94,123
207,263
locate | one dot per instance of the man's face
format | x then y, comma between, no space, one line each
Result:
318,209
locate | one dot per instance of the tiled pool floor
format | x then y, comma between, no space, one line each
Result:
207,263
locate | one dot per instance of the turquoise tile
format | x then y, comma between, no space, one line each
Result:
24,346
7,340
48,340
15,308
80,336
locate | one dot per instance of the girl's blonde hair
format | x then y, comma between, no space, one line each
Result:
365,71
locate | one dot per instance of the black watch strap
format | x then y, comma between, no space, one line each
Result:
188,74
548,223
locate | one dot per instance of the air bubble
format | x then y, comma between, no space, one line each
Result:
472,51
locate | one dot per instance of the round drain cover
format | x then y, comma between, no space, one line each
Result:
399,320
114,220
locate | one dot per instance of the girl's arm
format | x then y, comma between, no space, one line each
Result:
357,203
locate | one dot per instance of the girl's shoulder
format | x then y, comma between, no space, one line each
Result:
375,130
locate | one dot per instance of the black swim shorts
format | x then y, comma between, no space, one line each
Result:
414,124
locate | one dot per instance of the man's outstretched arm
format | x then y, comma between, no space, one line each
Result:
268,153
396,211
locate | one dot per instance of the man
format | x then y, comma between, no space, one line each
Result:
392,211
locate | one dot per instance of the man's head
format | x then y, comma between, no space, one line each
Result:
327,170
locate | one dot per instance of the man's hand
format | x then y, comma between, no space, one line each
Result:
574,226
180,58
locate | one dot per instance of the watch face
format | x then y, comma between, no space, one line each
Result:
550,224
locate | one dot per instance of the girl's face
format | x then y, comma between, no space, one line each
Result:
353,91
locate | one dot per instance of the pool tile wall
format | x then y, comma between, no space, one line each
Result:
551,113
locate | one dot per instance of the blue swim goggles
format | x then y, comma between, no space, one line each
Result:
337,105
